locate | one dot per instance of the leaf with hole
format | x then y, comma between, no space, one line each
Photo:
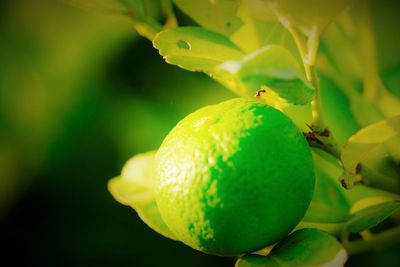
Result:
134,188
305,247
196,49
272,68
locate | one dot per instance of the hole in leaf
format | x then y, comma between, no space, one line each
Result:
183,44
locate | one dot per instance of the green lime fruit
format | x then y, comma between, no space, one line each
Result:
233,177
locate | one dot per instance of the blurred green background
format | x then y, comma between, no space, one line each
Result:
80,93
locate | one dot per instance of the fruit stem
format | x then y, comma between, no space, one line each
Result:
316,107
308,51
376,241
169,14
309,66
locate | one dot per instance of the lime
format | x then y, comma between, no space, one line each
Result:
233,177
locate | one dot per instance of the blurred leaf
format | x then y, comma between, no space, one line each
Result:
273,67
351,46
259,9
305,247
364,112
367,139
340,44
381,172
385,19
371,216
336,110
217,15
309,13
134,188
260,28
195,49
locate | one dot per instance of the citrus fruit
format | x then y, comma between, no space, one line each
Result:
233,177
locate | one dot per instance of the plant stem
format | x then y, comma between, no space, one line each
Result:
377,241
169,14
316,107
308,50
309,66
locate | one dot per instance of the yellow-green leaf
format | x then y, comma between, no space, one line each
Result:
306,14
272,68
134,188
195,48
368,139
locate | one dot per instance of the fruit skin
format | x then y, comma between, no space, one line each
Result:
233,177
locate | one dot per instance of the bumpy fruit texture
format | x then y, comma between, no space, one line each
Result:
233,177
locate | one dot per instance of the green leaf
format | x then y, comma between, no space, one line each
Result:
336,110
391,79
305,247
329,209
134,188
271,67
371,216
329,203
217,15
367,139
195,49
